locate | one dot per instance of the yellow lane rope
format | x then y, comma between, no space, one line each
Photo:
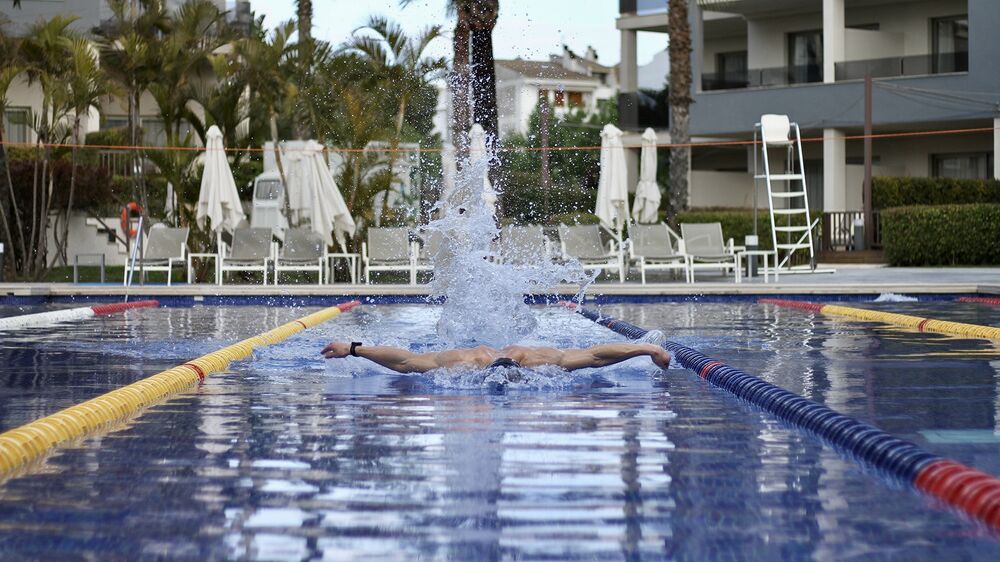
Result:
906,321
24,444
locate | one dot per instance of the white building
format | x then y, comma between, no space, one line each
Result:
569,81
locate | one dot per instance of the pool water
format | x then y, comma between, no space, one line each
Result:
290,457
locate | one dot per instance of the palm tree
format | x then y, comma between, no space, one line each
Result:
482,17
266,59
304,15
45,52
196,31
10,70
130,54
399,60
680,102
458,81
86,83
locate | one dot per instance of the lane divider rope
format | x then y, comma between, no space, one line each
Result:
903,320
71,314
972,491
24,444
981,300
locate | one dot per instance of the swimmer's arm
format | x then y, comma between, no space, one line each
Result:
609,354
397,359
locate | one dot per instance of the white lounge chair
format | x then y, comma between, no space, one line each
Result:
706,249
252,250
425,250
387,249
656,246
523,245
583,243
165,247
303,250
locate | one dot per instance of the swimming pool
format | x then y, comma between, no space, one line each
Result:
289,457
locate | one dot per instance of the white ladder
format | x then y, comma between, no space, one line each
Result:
776,131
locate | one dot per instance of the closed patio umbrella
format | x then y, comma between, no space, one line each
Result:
646,207
612,188
218,200
313,195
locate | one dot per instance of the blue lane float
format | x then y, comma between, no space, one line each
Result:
972,491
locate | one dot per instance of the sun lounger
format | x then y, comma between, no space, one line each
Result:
387,249
303,250
656,247
523,245
706,249
251,250
165,248
583,243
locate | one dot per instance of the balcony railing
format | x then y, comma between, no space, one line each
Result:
838,230
763,77
913,65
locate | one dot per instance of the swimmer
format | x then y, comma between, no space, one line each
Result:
512,356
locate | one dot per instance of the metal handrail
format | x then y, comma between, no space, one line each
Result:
133,257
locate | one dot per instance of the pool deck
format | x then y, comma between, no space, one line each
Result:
847,280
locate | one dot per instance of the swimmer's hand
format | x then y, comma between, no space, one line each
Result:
336,350
661,358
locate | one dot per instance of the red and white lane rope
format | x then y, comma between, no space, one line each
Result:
70,314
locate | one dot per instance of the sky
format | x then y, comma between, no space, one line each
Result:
530,29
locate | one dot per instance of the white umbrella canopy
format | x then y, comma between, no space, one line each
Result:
218,200
478,153
646,207
612,188
313,195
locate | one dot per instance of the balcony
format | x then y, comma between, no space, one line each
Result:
916,65
763,77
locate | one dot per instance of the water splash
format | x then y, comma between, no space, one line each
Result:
483,298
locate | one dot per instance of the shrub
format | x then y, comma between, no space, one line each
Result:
942,235
902,192
576,217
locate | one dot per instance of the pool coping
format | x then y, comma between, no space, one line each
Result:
612,291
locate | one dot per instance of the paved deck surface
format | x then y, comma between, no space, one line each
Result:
846,280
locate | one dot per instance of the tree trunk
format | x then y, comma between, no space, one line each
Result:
4,163
460,122
63,246
304,12
679,31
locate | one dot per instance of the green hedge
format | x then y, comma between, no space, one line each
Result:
942,235
903,192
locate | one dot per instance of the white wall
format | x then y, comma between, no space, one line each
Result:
862,44
722,189
84,239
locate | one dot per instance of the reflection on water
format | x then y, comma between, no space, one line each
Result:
290,457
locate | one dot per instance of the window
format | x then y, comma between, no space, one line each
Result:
977,165
560,99
543,95
731,69
950,46
575,99
267,190
865,26
15,124
805,57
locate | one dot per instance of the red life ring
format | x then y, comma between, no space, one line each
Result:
127,210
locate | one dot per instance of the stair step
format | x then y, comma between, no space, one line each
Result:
789,211
793,246
782,177
788,194
791,228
